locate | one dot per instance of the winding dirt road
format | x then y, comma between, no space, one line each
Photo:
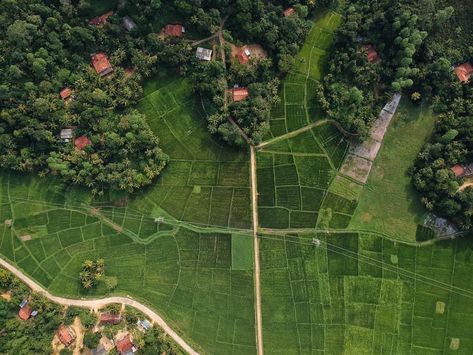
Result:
99,303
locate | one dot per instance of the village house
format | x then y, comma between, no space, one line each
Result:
289,12
125,346
25,311
371,53
66,94
128,23
66,335
203,54
463,170
143,325
243,55
100,20
81,142
239,94
174,30
101,64
464,72
109,318
67,134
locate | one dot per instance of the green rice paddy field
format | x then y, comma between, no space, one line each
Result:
362,290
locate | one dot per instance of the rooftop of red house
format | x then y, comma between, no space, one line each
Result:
371,53
100,20
124,345
66,335
101,64
65,93
175,30
239,94
81,142
25,312
110,318
289,12
464,71
243,55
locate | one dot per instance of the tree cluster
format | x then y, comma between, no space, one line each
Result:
91,272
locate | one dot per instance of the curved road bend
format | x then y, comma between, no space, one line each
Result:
99,303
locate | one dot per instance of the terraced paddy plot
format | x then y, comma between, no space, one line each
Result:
363,294
205,182
297,107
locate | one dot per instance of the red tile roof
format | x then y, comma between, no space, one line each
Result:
81,142
100,20
458,170
65,93
174,30
239,94
66,335
289,12
464,71
25,312
101,64
110,318
243,58
371,53
124,345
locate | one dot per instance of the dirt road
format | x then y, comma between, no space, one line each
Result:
99,303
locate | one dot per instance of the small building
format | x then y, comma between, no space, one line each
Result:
67,134
109,318
239,94
66,335
144,325
203,53
464,72
101,64
100,20
289,12
128,23
125,346
100,350
25,312
81,142
462,170
66,94
174,30
243,55
371,53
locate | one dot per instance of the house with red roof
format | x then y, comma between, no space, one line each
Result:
371,53
125,346
101,64
464,72
109,318
66,335
100,20
289,12
174,30
25,312
81,142
239,94
243,55
462,170
66,94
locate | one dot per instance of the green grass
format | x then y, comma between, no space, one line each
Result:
242,252
389,203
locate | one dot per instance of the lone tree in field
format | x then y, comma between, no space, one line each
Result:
91,272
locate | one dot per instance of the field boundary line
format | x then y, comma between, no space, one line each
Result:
99,303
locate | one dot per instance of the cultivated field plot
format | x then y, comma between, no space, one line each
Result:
205,182
293,176
298,107
365,295
186,276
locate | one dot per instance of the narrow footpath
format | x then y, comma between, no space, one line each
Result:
100,303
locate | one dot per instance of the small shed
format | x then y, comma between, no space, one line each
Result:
66,335
371,53
244,55
66,94
203,53
101,64
174,30
25,312
289,12
82,142
109,318
125,345
144,325
239,94
128,23
100,20
464,72
67,134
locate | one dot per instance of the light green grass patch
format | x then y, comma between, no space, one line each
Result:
242,252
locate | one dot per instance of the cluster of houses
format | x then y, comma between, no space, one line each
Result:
26,311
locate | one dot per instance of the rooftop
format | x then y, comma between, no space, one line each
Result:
203,53
81,142
239,94
371,53
66,93
289,12
125,345
100,20
128,23
464,72
67,133
175,30
110,318
66,335
101,64
25,312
